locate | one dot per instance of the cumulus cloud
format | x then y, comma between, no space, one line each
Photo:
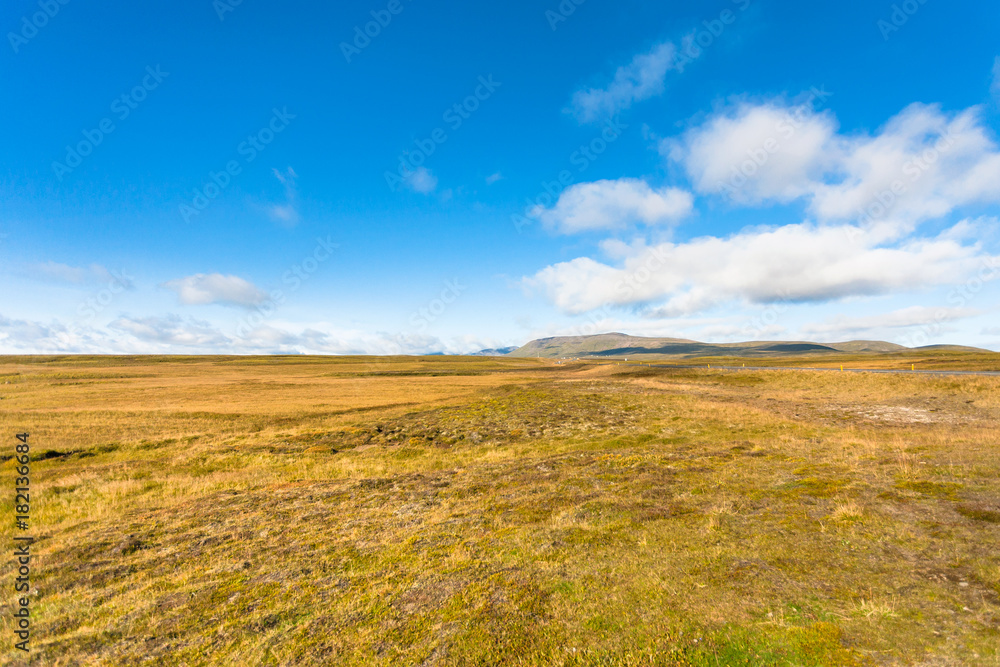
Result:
783,149
865,194
614,205
421,180
215,288
74,275
923,164
639,80
794,263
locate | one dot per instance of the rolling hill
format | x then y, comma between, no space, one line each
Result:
623,345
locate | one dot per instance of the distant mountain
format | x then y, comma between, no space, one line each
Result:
498,352
868,346
950,348
623,345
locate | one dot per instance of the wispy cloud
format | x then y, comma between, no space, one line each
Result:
421,180
28,337
287,213
215,288
75,275
493,178
22,331
843,325
639,80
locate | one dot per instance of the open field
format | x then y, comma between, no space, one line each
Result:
501,511
920,360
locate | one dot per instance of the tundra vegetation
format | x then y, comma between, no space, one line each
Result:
501,511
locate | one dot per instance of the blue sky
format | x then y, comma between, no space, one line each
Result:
201,176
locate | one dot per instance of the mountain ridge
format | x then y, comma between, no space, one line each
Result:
617,344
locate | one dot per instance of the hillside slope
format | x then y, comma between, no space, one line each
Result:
623,345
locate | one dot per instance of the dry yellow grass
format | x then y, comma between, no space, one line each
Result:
444,511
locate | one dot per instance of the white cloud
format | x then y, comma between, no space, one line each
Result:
844,326
614,205
493,178
784,149
923,164
421,180
215,288
794,263
865,194
639,80
95,273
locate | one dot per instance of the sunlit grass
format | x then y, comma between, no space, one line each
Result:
359,511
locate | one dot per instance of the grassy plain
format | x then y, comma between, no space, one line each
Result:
472,511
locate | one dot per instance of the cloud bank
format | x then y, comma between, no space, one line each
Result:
173,334
793,263
866,196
